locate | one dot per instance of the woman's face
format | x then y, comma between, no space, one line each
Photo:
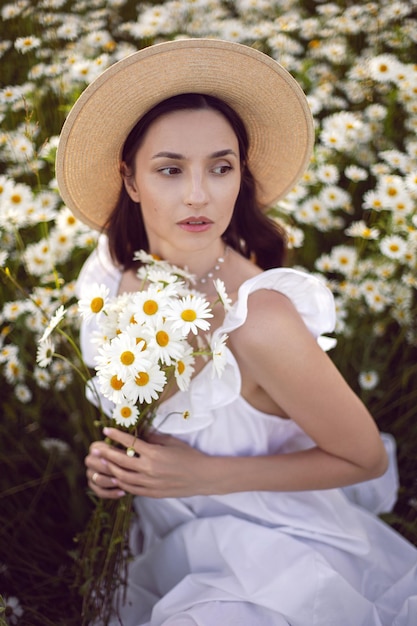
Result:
187,178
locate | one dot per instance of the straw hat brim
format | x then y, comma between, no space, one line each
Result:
270,102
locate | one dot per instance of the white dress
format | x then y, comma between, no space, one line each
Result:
313,558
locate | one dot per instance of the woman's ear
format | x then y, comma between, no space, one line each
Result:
129,182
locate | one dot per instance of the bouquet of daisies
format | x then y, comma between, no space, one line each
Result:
146,341
143,338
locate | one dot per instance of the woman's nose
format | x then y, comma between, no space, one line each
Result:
195,193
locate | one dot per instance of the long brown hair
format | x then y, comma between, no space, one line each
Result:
250,231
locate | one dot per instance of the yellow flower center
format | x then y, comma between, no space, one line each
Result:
180,367
126,412
116,383
142,379
96,304
138,340
127,357
162,338
150,307
188,315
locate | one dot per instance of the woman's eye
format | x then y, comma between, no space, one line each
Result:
171,170
222,169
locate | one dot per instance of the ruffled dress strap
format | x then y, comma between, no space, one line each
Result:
310,296
313,301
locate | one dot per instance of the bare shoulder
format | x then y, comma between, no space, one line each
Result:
271,319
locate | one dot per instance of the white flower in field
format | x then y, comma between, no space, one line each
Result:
146,385
126,414
376,112
13,610
24,44
39,258
343,259
362,230
123,355
372,199
10,94
16,195
295,236
220,288
184,369
335,197
12,310
3,257
390,187
22,148
368,379
219,355
324,263
83,71
410,182
95,303
13,370
69,30
355,173
57,317
189,314
396,159
383,68
98,38
45,352
403,204
7,352
328,174
393,247
42,377
23,393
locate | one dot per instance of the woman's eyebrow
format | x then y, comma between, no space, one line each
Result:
177,156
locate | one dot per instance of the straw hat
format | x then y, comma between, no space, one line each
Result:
270,102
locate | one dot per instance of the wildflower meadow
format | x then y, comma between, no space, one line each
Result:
351,220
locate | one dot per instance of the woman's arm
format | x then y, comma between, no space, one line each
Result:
285,361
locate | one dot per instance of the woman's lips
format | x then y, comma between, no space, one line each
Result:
195,224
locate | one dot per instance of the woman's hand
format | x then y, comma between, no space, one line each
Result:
163,467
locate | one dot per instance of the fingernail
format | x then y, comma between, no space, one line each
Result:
121,493
104,462
95,451
106,430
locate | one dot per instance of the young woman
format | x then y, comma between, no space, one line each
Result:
260,509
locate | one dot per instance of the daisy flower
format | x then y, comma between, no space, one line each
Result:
45,352
190,314
126,414
361,229
219,354
149,305
24,44
123,355
167,343
355,173
111,385
184,369
221,292
23,393
146,385
55,320
393,246
368,380
94,304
